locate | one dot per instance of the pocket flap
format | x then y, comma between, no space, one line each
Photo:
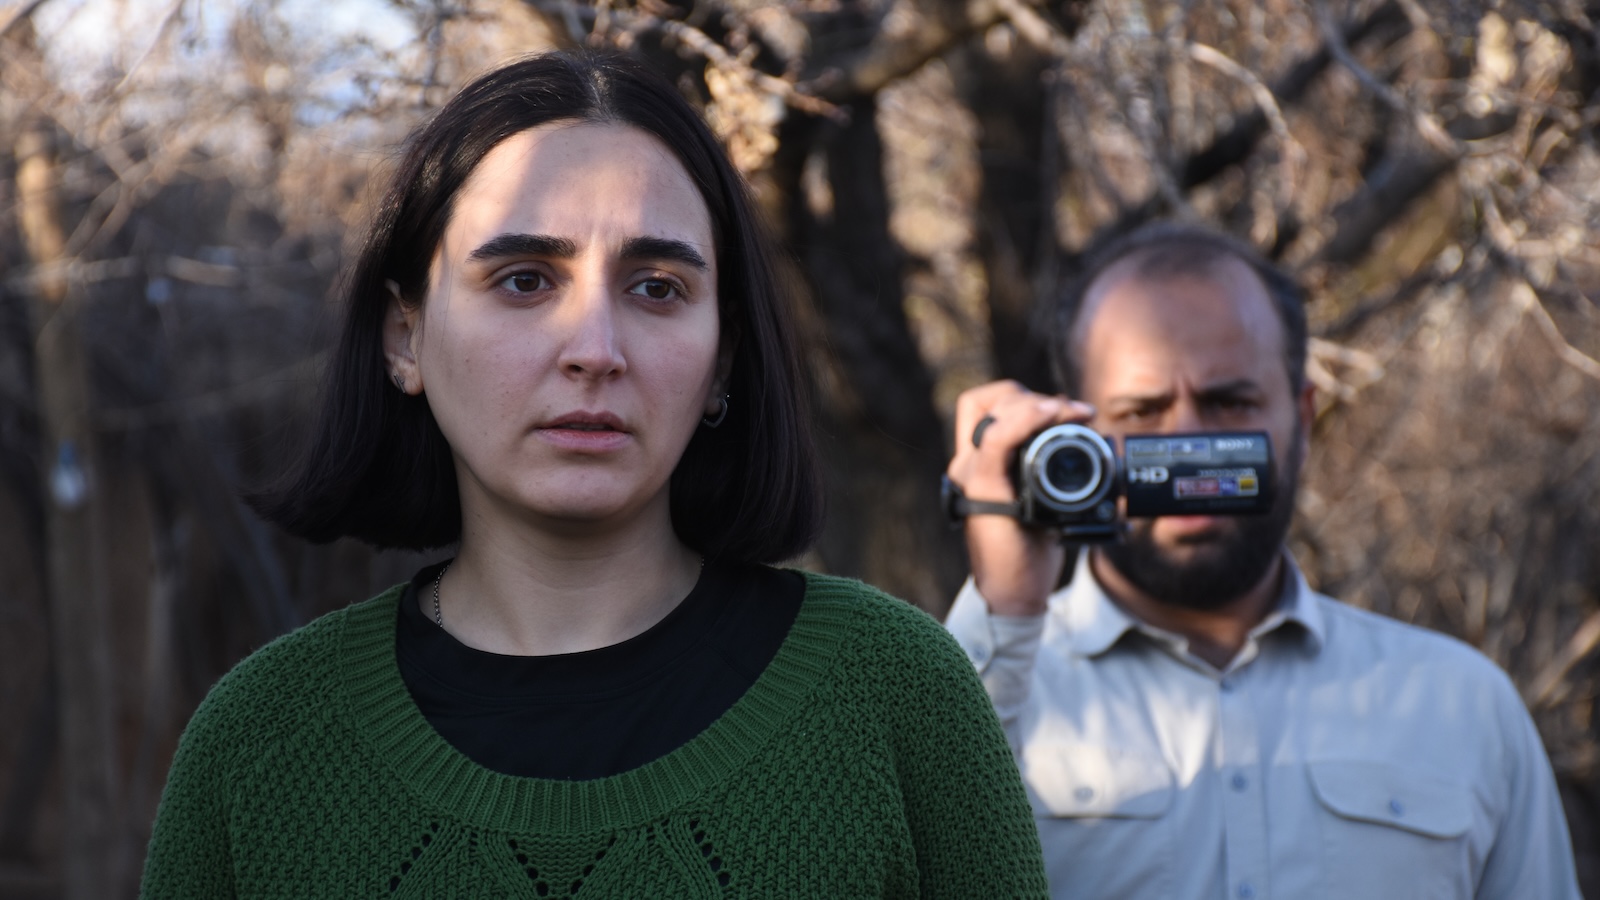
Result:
1073,779
1385,794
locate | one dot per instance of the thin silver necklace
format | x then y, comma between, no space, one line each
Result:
438,617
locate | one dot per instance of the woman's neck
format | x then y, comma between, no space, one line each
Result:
526,590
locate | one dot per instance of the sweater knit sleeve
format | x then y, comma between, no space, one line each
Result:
192,850
971,823
189,853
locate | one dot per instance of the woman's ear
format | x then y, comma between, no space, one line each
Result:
402,335
719,381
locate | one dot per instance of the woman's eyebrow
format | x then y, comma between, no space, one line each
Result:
503,245
663,249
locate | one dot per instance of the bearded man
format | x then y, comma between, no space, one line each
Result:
1190,718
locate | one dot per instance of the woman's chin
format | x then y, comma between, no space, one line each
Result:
583,512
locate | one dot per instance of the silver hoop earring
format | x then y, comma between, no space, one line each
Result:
722,413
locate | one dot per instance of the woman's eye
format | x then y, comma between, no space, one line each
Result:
656,289
524,282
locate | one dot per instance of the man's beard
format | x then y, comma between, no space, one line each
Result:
1234,562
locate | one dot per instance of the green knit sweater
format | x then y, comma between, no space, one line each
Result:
864,762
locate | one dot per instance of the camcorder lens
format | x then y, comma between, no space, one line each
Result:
1070,470
1066,468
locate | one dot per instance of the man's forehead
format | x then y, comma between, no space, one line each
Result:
1215,315
1171,280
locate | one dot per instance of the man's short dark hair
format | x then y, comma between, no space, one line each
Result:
1164,250
377,468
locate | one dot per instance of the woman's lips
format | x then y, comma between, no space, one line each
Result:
585,432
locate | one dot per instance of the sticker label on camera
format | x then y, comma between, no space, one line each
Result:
1238,484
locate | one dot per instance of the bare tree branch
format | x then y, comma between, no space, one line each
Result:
1239,140
1426,124
1547,688
699,42
1293,155
1389,189
21,14
1036,29
889,59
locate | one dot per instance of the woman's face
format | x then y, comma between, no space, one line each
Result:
568,343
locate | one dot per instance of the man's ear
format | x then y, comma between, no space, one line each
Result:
402,336
1308,416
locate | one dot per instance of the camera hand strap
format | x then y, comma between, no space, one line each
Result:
957,507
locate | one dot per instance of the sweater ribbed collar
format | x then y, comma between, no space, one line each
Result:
383,713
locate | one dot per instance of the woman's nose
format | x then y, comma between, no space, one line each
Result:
592,348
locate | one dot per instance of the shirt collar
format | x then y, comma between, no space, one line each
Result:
1095,623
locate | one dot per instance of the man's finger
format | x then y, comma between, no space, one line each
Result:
975,403
1002,416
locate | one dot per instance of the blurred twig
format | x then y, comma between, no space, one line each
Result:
1293,155
1551,685
211,403
16,18
1426,123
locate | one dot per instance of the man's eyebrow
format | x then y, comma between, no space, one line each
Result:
1158,398
663,249
504,245
1226,389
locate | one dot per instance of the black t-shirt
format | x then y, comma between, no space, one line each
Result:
600,712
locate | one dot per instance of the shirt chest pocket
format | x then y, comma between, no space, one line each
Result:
1095,804
1078,780
1391,831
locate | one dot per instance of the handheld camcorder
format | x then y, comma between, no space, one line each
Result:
1068,478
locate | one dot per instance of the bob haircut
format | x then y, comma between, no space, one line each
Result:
378,469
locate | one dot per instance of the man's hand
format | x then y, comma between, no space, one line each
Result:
1014,568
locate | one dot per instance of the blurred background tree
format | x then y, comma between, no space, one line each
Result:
178,179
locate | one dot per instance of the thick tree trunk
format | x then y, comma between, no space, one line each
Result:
92,853
882,441
1016,239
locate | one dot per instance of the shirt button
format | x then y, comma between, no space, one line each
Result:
1246,891
1084,794
1396,807
1227,686
1239,782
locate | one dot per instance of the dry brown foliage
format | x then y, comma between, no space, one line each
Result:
1431,169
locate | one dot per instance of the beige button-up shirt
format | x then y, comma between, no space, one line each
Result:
1341,754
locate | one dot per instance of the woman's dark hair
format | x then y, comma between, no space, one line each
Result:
377,467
